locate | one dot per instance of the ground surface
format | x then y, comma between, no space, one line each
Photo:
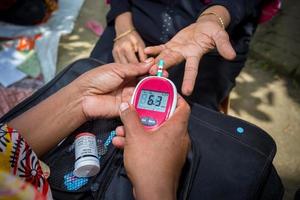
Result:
262,97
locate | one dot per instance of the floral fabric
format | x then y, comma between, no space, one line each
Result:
21,173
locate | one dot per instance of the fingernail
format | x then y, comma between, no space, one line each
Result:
149,60
124,106
152,71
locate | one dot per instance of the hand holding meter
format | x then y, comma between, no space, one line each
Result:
155,99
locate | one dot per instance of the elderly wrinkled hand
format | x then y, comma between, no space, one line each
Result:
190,44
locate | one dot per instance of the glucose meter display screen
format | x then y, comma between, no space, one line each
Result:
155,101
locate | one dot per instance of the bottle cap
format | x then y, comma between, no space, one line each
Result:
87,167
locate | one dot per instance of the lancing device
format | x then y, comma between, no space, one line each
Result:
155,99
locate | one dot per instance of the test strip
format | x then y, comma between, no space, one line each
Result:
160,68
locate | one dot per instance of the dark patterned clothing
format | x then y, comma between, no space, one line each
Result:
157,21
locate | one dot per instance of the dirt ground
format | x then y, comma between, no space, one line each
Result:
261,97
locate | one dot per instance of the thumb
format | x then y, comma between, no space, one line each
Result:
130,120
180,117
154,50
132,70
223,45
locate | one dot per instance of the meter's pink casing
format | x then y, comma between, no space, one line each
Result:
156,84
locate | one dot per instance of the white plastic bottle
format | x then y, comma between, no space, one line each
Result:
86,155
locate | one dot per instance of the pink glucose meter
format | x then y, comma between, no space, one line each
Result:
155,99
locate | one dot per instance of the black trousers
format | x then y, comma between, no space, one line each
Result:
215,80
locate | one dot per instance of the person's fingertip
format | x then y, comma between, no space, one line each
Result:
115,141
149,60
124,106
143,56
127,94
179,99
130,120
183,102
165,74
187,91
147,63
229,56
153,69
118,142
120,131
135,48
232,55
227,51
147,50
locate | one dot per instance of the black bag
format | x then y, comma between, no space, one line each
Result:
229,158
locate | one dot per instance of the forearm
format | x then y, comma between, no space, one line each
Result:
123,23
220,11
154,188
155,191
46,124
238,10
117,7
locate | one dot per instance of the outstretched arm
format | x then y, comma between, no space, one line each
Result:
192,42
207,33
96,93
238,10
